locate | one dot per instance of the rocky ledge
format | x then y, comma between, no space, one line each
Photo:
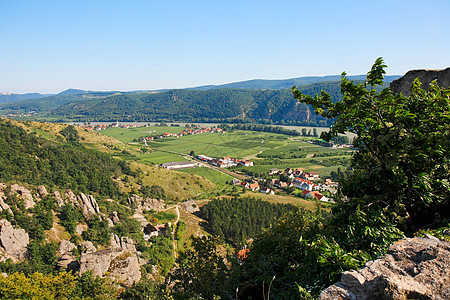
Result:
413,268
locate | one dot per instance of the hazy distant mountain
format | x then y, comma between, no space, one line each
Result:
73,92
7,98
285,83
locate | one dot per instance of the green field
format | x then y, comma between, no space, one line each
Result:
208,173
275,150
159,157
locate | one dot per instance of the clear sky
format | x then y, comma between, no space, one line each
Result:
49,46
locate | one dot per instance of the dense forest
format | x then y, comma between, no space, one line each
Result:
238,219
28,158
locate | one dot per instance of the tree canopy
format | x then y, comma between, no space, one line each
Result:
402,159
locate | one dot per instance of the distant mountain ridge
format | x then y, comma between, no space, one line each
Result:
263,101
285,83
8,98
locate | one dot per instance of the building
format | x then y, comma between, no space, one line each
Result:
179,165
153,230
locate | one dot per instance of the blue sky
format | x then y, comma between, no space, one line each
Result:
49,46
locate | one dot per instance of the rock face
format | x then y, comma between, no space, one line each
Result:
120,261
90,206
24,194
141,204
42,191
403,84
13,240
66,247
415,268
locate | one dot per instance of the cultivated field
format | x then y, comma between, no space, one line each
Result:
266,150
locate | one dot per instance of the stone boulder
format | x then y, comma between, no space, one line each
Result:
66,246
115,217
403,84
413,268
68,262
13,240
98,262
88,247
59,200
42,191
125,270
69,197
90,206
122,244
24,194
141,204
119,262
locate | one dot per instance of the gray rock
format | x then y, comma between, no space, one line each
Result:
141,204
4,206
119,262
68,262
115,217
24,194
79,229
403,84
88,247
42,191
90,206
70,197
110,223
125,271
59,201
122,244
416,268
13,240
66,247
97,262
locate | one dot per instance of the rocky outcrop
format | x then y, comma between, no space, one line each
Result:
414,268
68,262
13,240
42,191
90,206
66,247
59,200
24,194
119,262
88,247
403,84
141,204
115,217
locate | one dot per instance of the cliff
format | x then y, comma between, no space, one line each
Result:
403,84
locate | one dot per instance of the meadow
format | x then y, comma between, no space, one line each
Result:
266,150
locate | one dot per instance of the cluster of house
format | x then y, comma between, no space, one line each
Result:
299,179
104,126
225,162
187,131
253,186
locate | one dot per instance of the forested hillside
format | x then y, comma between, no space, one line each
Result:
222,105
27,158
190,105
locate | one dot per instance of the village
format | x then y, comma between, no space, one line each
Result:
289,179
187,131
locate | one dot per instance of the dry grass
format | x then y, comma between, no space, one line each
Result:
57,233
177,185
